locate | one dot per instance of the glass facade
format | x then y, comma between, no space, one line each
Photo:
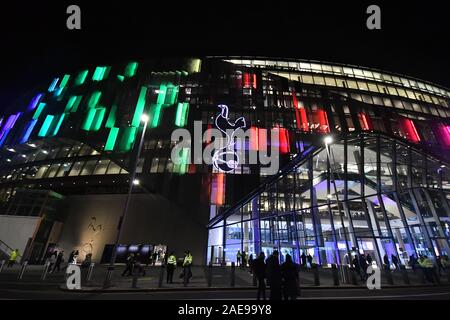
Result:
364,193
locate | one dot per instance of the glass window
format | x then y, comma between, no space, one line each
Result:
76,168
52,170
387,102
377,100
337,70
64,169
41,172
154,166
88,168
305,66
352,84
307,79
101,167
113,168
330,82
373,87
319,80
392,91
398,104
362,86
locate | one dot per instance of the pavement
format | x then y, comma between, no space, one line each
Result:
31,286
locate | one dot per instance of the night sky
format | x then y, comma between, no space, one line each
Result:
36,45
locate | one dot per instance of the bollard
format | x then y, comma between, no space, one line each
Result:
90,271
334,272
161,276
2,263
344,274
404,274
233,269
134,281
353,276
45,271
388,275
315,270
209,275
22,270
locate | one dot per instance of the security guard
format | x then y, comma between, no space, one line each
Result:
13,258
171,265
187,262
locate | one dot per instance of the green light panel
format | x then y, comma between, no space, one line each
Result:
89,119
112,137
182,114
172,95
46,126
76,104
38,111
111,117
58,125
81,78
98,119
127,139
162,94
139,108
64,81
120,77
100,73
93,101
130,69
155,115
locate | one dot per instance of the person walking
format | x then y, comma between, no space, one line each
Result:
129,265
395,261
138,267
303,259
439,264
51,260
238,258
13,258
59,260
274,276
369,259
356,266
250,263
386,262
310,260
413,262
187,263
154,258
363,264
171,265
259,269
289,275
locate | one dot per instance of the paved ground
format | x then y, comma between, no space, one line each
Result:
32,287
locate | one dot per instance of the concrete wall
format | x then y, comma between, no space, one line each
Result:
16,230
92,222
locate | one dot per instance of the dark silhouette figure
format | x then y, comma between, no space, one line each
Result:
413,262
386,262
129,265
395,261
303,259
356,266
138,267
238,258
289,274
154,257
259,268
369,259
274,276
250,263
439,264
171,265
310,260
363,264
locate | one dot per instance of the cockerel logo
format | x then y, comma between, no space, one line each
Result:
226,158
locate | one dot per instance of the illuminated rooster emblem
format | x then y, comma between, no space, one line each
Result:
226,159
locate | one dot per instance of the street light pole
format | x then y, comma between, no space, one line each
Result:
110,271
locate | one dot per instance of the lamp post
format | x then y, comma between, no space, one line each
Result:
133,181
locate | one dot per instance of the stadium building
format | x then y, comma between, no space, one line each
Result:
363,162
